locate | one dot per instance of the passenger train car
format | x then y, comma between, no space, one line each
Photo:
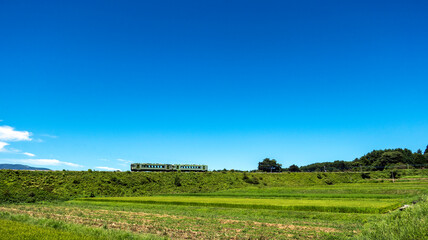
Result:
168,167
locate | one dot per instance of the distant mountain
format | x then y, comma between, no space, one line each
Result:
21,167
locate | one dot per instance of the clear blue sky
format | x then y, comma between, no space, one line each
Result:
224,83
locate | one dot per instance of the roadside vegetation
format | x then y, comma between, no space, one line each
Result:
411,223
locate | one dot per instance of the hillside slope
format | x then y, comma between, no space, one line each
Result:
31,186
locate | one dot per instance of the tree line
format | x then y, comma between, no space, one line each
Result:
376,160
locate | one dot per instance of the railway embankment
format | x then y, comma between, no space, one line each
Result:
33,186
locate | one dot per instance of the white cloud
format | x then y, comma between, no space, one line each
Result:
50,162
8,133
108,168
123,160
125,163
2,145
29,154
43,162
48,135
13,150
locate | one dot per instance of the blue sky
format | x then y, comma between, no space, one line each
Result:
225,83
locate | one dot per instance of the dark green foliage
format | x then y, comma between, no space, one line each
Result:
380,159
389,158
177,181
294,168
269,165
376,160
335,166
365,175
250,180
328,181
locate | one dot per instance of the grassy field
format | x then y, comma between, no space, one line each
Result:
215,205
17,230
339,211
356,205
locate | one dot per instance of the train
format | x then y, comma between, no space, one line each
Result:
160,167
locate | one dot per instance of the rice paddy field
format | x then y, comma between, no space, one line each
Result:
340,211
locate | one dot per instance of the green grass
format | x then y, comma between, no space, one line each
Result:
213,205
402,191
33,186
264,215
411,223
325,205
28,226
23,231
204,222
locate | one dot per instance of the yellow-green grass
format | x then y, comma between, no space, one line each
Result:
22,231
324,205
403,191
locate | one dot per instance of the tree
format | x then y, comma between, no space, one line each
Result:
269,165
426,151
294,168
388,158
